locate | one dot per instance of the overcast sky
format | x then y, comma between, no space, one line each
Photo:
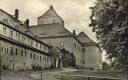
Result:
75,13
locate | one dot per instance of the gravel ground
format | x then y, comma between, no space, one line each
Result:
65,73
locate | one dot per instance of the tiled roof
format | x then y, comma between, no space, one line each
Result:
21,28
84,38
20,24
50,13
46,30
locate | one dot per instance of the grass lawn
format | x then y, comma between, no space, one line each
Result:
99,73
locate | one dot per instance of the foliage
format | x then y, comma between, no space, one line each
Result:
68,59
105,65
54,55
109,20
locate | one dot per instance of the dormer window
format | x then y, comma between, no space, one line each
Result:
1,12
5,21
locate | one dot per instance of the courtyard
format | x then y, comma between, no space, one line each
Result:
63,74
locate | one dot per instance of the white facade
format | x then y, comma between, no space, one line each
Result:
20,50
57,35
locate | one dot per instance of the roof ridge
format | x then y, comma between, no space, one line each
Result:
85,35
51,8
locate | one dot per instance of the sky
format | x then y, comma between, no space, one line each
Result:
75,13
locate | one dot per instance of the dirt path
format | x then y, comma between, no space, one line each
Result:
51,75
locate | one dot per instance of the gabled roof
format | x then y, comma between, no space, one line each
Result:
50,13
20,24
84,38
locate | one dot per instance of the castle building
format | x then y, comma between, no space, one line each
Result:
18,48
51,30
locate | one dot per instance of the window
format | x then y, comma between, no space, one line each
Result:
7,50
53,21
11,33
36,44
83,49
19,37
24,64
47,60
61,44
78,48
28,41
4,30
40,46
16,51
44,47
31,42
21,52
1,12
40,58
34,56
11,51
2,49
75,45
16,35
22,38
31,55
25,53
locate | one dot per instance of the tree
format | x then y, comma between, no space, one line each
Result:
54,56
109,20
68,58
105,65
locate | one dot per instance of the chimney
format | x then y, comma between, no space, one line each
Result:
74,32
27,23
16,14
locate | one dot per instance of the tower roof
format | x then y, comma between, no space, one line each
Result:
47,30
50,13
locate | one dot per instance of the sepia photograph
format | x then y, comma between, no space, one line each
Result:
63,40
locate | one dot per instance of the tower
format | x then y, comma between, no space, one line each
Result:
50,17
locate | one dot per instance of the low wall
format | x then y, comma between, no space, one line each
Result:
82,77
